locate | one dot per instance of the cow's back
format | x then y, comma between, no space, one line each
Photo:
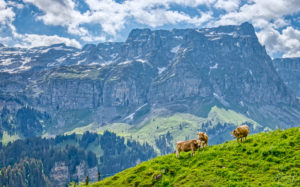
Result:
243,130
187,145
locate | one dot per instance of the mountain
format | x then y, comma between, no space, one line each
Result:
289,71
153,74
153,89
264,159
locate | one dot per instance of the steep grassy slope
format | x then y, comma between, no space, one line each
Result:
266,159
179,126
6,138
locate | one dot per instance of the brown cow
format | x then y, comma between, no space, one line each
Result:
188,145
241,132
202,136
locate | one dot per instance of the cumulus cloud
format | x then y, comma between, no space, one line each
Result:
91,38
273,28
15,4
35,40
288,41
228,5
5,39
6,13
258,11
113,16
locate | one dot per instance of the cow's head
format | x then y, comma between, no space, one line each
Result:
234,133
199,143
201,135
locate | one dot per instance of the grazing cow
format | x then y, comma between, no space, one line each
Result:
202,136
241,132
188,145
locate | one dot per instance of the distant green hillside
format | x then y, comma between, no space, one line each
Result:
163,132
265,159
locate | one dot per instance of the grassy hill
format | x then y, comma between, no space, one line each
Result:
180,126
264,159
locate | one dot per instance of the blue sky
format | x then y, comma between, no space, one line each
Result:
31,23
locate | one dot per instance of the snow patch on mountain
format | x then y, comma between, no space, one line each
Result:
130,116
214,67
6,62
61,60
125,62
221,99
162,69
81,61
178,37
175,49
141,60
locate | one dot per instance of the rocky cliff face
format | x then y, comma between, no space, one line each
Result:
226,65
60,174
187,70
289,71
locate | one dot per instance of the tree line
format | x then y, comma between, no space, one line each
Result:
36,156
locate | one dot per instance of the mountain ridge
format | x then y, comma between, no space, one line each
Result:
177,71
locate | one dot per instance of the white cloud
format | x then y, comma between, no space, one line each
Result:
267,16
228,5
62,13
288,41
15,4
6,13
5,39
94,38
113,16
34,40
260,10
152,13
57,12
155,18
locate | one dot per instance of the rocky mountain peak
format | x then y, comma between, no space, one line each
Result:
137,34
247,28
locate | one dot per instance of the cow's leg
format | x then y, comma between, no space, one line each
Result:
177,153
192,148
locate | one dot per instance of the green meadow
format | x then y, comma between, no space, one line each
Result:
264,159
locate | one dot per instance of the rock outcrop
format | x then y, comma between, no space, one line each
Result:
60,174
289,71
